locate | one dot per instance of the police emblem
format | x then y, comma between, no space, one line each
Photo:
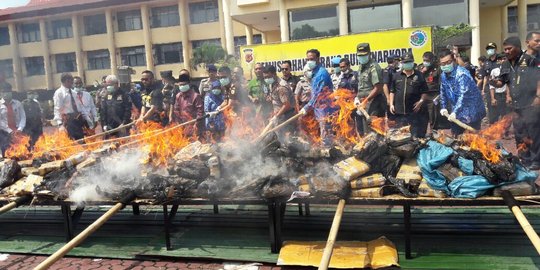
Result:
248,55
418,38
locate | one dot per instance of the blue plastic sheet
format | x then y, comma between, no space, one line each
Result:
469,186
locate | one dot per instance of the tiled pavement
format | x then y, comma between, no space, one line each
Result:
24,262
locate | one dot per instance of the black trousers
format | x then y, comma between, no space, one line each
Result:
74,125
5,142
417,121
527,132
498,111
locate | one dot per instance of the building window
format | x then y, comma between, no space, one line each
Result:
95,24
4,36
168,53
198,43
66,62
6,67
60,29
241,41
133,56
28,32
533,18
428,12
129,20
369,18
34,65
165,16
99,59
313,22
203,12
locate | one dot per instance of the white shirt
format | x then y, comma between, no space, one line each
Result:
496,72
336,78
20,116
86,104
62,103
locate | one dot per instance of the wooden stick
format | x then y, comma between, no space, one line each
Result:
278,127
106,132
525,225
329,248
79,238
14,204
364,112
461,124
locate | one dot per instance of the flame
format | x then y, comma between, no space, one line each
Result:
19,148
163,145
524,146
483,141
378,124
245,125
310,127
59,143
344,126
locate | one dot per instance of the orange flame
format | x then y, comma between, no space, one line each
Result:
19,148
56,140
310,127
164,146
483,142
343,123
524,146
378,124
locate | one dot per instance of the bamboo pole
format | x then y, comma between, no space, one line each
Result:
461,124
525,225
79,238
278,127
329,248
14,204
106,132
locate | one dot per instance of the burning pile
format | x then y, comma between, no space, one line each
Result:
164,165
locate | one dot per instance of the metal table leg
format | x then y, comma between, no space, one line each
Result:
300,212
136,209
272,226
71,219
167,227
216,209
308,211
407,223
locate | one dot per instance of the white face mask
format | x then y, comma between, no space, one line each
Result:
111,88
77,89
269,81
308,74
490,52
216,92
224,81
183,88
311,64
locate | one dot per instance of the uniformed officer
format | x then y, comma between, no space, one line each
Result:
522,74
407,94
152,98
291,79
169,92
116,108
34,117
335,73
282,99
206,84
489,65
348,78
432,75
370,90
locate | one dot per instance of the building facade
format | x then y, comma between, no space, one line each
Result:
41,40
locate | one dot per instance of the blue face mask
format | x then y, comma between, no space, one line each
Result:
407,66
427,64
363,59
216,92
311,64
224,81
337,70
447,68
490,52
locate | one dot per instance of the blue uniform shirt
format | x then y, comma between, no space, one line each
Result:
321,85
459,90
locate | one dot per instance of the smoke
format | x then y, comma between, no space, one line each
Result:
109,176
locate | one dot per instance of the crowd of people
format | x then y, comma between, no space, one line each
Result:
442,90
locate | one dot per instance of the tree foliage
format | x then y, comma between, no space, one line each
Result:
308,31
211,54
441,35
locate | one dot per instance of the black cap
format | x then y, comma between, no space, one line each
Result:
491,45
183,78
408,57
211,67
363,49
500,56
390,58
166,74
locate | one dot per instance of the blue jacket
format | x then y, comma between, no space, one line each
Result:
321,85
211,103
459,90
